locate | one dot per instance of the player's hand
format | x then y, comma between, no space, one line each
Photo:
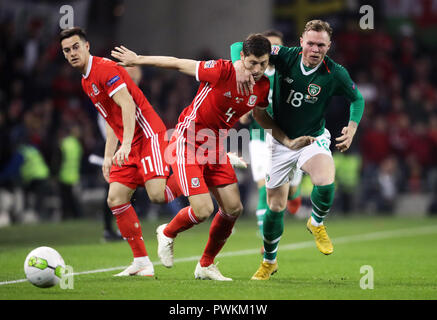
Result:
245,80
298,143
122,155
106,168
127,57
345,140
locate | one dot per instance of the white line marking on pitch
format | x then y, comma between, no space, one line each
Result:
400,233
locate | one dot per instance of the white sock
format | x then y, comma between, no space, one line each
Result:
142,260
270,261
315,223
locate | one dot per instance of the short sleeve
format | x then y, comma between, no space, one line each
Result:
111,80
209,71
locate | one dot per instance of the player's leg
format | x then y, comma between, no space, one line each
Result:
119,196
230,208
273,230
162,190
274,221
200,208
281,162
317,161
294,199
258,150
160,187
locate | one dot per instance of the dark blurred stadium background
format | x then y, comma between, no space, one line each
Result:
391,167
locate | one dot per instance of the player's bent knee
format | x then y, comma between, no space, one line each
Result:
322,180
114,201
203,212
277,206
156,197
235,211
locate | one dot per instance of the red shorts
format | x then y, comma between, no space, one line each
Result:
194,177
146,162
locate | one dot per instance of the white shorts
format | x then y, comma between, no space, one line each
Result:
284,162
258,159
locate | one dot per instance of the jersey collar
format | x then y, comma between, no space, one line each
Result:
307,73
88,69
270,71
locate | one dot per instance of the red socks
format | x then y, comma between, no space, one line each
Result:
219,232
130,228
184,220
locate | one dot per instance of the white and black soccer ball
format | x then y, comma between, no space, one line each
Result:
44,267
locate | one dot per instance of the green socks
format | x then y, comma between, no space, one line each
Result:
273,229
322,198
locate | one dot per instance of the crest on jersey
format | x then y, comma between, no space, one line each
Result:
252,100
209,64
195,182
275,50
314,89
95,89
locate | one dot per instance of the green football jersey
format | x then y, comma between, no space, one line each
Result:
301,95
255,129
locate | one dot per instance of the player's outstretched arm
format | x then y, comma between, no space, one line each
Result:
266,121
129,58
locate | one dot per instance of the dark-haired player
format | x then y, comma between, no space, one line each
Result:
131,120
215,109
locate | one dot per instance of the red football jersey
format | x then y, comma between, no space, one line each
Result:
217,104
101,81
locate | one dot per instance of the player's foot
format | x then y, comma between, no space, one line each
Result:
210,272
323,242
138,269
265,271
165,247
294,205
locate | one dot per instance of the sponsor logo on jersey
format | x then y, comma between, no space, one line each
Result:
195,182
113,80
288,80
228,94
314,89
95,89
238,100
252,100
209,64
275,50
310,99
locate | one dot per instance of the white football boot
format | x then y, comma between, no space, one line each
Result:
165,247
210,272
138,269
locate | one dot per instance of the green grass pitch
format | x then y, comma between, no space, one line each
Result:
401,252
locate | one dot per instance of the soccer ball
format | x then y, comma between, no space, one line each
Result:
44,267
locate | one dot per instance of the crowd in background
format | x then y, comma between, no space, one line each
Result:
48,125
